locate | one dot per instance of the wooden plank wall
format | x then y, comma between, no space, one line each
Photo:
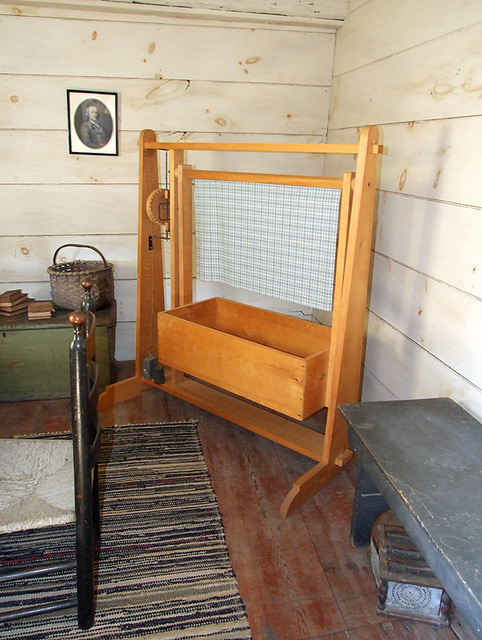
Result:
199,79
312,9
414,69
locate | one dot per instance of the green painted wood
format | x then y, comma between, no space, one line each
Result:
34,355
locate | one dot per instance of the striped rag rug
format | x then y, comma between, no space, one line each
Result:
164,570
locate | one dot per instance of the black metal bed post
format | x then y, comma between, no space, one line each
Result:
88,307
88,303
82,472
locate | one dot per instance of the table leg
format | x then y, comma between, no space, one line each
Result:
367,506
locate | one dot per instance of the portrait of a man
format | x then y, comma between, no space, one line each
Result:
92,122
96,124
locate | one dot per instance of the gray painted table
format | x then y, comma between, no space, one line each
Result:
425,458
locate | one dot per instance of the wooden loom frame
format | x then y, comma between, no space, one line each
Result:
330,450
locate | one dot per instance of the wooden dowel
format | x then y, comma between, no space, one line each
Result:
267,178
279,147
268,147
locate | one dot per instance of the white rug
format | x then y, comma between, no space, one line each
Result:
36,483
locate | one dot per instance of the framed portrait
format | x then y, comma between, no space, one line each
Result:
92,122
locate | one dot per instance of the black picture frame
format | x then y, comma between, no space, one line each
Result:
92,118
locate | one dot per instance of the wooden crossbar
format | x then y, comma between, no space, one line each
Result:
268,147
267,178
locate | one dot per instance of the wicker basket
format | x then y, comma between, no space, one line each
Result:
66,278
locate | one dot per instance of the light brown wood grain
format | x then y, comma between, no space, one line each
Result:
238,355
249,359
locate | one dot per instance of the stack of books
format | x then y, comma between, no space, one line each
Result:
39,310
13,302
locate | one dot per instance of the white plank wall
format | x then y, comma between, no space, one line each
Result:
335,9
414,69
199,79
155,50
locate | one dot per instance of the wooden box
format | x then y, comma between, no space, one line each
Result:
34,354
269,358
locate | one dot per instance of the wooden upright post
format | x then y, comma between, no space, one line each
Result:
176,159
347,342
349,322
150,279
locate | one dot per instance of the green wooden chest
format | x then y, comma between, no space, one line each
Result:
34,354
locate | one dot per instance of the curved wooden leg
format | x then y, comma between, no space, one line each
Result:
311,482
123,390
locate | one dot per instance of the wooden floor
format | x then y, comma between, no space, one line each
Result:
300,578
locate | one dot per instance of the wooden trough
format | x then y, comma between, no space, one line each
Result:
269,358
